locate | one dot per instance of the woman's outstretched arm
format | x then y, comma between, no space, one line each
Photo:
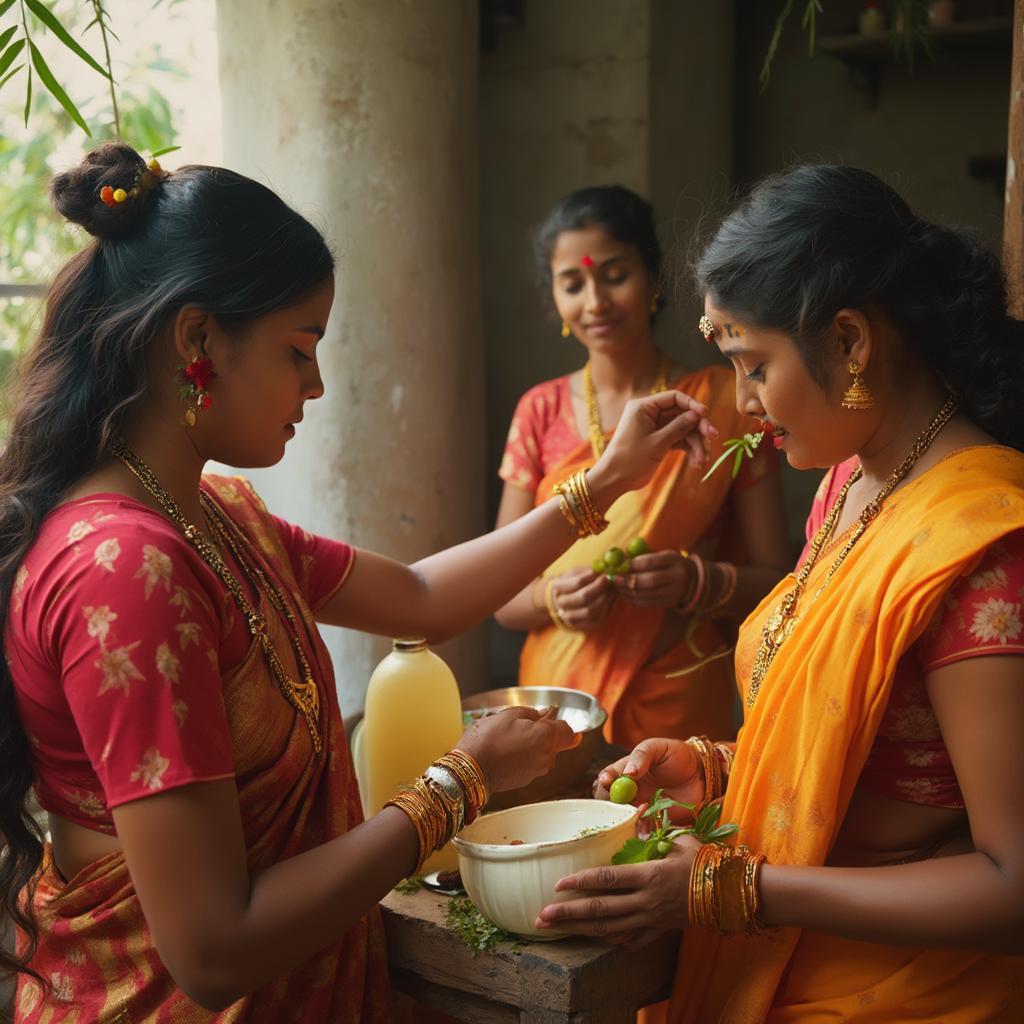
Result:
223,931
445,594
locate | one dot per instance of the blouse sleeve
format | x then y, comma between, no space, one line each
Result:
521,463
135,637
321,565
981,612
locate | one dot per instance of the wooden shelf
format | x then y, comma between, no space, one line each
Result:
866,56
961,36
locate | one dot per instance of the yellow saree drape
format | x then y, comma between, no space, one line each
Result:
96,948
674,510
805,741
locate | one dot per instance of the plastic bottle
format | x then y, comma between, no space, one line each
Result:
413,716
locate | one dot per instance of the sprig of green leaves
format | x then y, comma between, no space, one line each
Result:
478,934
657,845
736,448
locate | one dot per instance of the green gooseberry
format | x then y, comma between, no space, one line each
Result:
637,546
614,557
663,847
598,566
622,790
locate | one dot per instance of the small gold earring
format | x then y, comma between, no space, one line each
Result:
654,303
858,394
565,330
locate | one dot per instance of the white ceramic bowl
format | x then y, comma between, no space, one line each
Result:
510,884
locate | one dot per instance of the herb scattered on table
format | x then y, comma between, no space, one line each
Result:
657,845
736,448
593,830
478,934
409,885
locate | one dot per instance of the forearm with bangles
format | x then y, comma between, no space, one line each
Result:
447,796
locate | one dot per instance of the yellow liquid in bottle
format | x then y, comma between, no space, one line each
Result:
413,716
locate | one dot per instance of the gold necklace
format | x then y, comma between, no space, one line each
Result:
597,438
304,696
783,620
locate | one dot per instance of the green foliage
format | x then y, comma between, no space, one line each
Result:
34,240
478,934
409,885
737,448
910,34
659,843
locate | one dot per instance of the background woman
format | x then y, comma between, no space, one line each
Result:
881,764
715,548
165,687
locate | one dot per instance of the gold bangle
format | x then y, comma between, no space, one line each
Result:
726,755
723,891
729,571
710,766
556,615
580,510
470,776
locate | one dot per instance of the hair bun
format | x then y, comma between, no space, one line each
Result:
75,194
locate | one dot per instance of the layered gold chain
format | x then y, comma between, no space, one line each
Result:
597,438
303,696
783,620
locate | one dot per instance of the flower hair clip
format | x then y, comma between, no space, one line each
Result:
706,327
146,180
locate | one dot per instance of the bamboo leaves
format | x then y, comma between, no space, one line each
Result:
11,48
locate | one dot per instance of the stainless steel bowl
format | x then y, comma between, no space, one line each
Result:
580,710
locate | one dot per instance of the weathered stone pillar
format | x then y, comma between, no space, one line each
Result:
363,115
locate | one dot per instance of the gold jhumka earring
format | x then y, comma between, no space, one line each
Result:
858,394
565,330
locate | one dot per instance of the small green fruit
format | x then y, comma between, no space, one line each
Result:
598,566
614,557
637,546
622,790
663,847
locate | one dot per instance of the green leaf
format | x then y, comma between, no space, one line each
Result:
708,818
721,458
8,58
739,462
634,851
722,832
773,45
5,37
5,7
51,83
28,96
10,74
46,16
166,149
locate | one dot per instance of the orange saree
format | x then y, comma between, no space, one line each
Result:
805,741
674,510
96,950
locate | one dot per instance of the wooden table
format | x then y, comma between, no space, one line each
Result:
572,981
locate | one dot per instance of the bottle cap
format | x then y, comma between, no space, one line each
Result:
408,644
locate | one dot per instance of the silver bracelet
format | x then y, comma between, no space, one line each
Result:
450,786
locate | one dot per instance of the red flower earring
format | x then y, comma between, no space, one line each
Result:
194,379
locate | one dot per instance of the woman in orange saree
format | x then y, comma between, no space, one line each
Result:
165,690
878,767
654,643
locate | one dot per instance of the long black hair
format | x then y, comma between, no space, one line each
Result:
204,237
810,241
623,214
